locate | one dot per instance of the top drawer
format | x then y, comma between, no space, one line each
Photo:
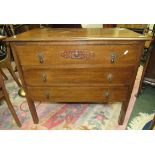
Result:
77,54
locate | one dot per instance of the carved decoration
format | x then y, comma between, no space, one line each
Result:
77,54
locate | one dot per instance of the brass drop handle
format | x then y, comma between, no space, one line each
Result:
44,77
47,95
107,94
109,77
41,57
113,57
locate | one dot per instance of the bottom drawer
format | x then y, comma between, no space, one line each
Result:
78,94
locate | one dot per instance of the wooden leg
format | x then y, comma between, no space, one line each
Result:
140,86
10,106
33,111
14,76
3,74
143,75
5,95
123,113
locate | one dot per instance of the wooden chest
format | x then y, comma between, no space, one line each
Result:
77,65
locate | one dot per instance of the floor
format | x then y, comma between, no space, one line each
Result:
57,116
132,100
145,102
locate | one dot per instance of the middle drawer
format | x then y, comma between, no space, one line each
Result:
77,76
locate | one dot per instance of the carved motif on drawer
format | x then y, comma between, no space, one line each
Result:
84,54
77,54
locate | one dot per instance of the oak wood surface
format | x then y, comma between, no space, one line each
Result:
93,54
78,94
77,76
65,65
51,34
126,103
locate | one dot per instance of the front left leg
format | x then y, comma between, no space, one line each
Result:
33,110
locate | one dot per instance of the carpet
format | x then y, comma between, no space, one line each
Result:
65,116
141,122
58,116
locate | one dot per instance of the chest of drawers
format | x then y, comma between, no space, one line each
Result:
77,65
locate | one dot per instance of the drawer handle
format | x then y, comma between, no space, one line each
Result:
44,77
113,57
109,77
41,57
107,94
47,95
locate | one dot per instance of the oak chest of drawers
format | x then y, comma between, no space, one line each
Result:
77,65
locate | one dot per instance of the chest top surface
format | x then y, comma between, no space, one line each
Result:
66,34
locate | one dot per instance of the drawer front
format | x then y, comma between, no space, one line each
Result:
78,94
77,54
77,76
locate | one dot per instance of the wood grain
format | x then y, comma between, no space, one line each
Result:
52,55
51,34
78,94
73,65
76,76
